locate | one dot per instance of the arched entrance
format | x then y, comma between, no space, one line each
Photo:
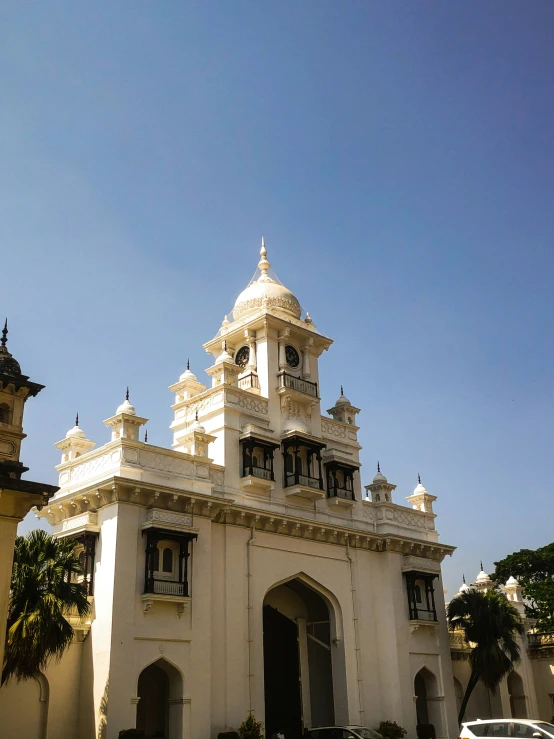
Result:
518,704
298,660
160,707
428,703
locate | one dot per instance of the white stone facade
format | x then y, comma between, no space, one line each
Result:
250,543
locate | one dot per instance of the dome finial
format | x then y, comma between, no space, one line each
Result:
188,364
341,390
378,468
196,416
263,264
77,419
5,333
464,579
127,393
146,436
482,566
419,478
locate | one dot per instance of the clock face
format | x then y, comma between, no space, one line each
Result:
292,357
242,356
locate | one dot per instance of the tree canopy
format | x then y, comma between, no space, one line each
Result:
43,588
490,624
534,569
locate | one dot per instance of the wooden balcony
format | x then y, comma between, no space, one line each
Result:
340,497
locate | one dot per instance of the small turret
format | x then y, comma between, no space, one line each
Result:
75,443
125,424
380,490
343,410
421,499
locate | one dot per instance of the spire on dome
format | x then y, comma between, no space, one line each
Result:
77,419
482,568
127,393
419,483
378,468
464,579
146,436
5,333
188,364
263,264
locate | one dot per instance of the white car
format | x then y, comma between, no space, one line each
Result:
343,732
517,728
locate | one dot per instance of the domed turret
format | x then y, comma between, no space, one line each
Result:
76,432
380,490
266,291
379,477
483,581
464,587
343,400
187,374
8,365
75,443
197,426
126,406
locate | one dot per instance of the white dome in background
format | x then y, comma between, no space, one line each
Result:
511,581
379,477
266,291
197,426
343,400
483,577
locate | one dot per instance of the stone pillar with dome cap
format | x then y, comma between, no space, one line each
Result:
343,410
125,424
380,489
421,499
17,496
74,444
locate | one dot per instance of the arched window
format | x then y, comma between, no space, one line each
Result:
167,560
156,560
4,413
289,462
377,498
417,593
256,461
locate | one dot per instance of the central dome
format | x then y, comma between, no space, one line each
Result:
265,291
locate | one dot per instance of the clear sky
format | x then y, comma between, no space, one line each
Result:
398,159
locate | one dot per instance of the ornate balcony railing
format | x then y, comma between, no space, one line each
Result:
311,482
541,640
251,380
167,587
260,472
297,383
336,492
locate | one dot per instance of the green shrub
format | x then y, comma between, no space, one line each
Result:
251,729
426,731
132,734
391,730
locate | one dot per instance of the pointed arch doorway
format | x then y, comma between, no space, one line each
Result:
160,707
298,660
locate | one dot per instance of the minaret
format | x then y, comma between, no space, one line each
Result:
420,499
514,593
125,424
343,410
17,496
483,581
74,444
380,489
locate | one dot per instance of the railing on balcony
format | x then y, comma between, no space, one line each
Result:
336,492
251,380
311,482
541,640
167,587
297,383
457,641
421,614
260,472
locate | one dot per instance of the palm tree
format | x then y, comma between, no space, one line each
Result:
44,586
490,624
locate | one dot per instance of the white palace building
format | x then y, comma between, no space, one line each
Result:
246,568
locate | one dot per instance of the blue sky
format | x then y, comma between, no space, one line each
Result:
397,157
